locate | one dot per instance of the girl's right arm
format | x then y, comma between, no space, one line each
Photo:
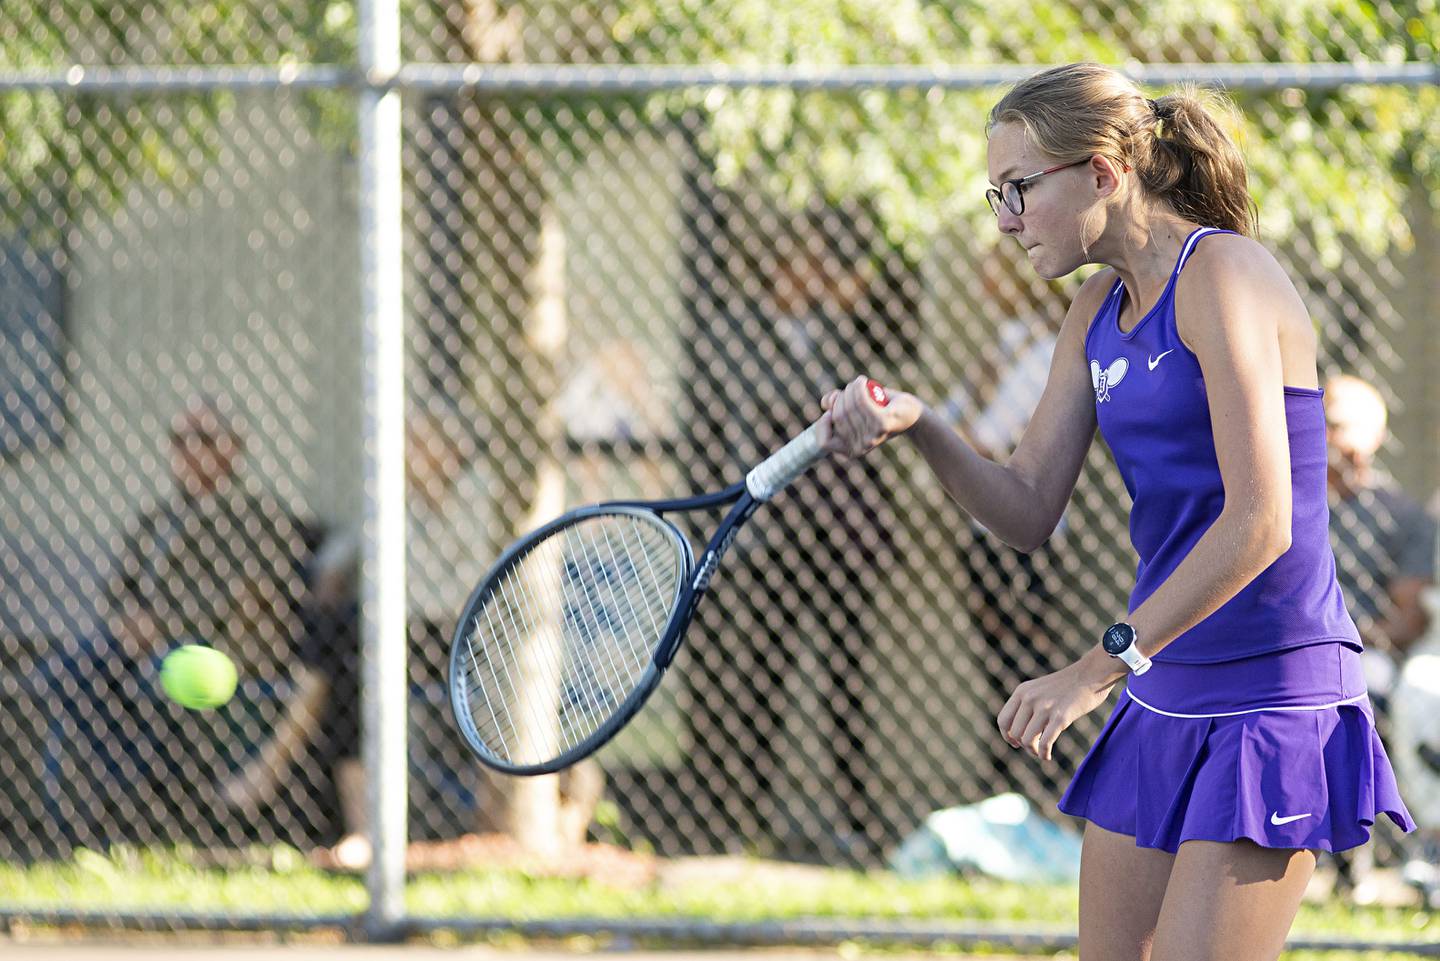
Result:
1022,499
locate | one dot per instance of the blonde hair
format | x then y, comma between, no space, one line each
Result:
1173,143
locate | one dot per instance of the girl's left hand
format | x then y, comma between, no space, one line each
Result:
1041,708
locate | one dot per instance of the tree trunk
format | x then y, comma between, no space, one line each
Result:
517,296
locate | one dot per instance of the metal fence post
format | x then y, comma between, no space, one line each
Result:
384,667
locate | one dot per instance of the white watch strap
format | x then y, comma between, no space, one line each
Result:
1137,662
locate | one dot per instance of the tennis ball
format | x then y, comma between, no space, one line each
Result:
198,677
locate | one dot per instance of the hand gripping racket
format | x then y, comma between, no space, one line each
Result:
564,639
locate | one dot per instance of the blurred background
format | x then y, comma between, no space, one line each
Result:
626,280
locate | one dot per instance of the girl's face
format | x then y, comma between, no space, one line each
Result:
1050,228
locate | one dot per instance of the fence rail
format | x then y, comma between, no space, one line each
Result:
618,79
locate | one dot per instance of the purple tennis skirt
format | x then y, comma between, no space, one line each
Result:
1280,749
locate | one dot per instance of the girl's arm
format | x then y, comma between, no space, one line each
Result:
1022,499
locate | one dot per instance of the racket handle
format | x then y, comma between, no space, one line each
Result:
779,470
776,472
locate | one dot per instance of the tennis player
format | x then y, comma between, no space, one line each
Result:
1244,741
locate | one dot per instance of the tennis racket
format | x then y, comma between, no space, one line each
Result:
568,634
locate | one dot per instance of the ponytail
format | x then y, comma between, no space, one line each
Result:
1189,162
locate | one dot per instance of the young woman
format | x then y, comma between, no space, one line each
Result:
1244,741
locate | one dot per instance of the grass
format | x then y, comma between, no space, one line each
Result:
280,881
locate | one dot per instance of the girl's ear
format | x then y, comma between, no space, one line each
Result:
1107,174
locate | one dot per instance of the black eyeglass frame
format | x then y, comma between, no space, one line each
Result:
996,196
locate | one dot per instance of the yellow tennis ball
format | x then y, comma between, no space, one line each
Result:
198,677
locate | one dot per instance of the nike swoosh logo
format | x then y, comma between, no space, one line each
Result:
1155,361
1277,820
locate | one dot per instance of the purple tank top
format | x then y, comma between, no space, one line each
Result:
1151,405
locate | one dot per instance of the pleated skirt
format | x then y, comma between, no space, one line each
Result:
1280,749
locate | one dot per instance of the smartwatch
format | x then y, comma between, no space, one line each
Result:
1119,641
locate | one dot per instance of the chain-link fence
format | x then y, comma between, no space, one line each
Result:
634,286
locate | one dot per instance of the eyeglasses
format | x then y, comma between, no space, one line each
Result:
1012,192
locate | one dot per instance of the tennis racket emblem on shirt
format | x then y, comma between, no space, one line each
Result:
1109,377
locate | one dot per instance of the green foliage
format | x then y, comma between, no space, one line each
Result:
1339,161
96,145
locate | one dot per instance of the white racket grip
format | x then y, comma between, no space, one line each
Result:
779,470
776,472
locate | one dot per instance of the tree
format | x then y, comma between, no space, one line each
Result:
920,154
64,146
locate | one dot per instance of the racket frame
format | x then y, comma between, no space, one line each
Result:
694,582
762,483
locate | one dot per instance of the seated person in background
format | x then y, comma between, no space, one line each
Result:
320,720
318,724
1385,557
214,561
1384,541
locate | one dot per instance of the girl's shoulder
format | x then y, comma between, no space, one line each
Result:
1233,286
1222,257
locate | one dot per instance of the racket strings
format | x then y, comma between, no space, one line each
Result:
567,634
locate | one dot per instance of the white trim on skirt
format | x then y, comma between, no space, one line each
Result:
1255,710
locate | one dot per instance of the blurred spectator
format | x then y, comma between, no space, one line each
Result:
317,726
1009,390
451,546
322,717
772,319
812,337
448,553
1385,557
215,561
1011,595
1384,541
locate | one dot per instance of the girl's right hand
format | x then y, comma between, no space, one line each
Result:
853,424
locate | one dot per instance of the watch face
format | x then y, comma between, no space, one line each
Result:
1118,637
